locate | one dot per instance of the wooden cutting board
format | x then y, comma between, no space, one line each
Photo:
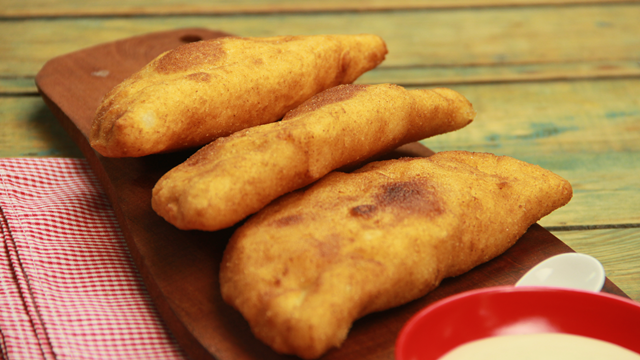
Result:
180,268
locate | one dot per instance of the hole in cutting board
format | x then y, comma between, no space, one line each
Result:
190,38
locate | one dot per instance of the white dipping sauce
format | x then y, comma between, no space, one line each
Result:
547,346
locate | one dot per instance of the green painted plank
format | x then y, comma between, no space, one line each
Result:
35,8
617,250
431,76
436,75
489,38
18,86
443,75
586,117
30,129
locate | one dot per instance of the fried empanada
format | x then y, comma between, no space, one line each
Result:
306,266
200,91
236,176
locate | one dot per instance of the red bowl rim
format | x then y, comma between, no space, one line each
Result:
414,322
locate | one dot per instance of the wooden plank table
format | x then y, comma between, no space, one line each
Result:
555,83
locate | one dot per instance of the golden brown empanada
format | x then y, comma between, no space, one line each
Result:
236,176
306,266
200,91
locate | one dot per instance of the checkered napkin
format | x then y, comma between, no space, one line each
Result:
68,286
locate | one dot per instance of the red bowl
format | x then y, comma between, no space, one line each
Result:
506,310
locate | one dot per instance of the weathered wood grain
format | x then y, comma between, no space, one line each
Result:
496,42
40,8
443,75
17,86
617,250
29,129
450,75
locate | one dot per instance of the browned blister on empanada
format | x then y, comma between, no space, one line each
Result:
306,266
204,90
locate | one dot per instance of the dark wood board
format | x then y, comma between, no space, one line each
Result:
180,268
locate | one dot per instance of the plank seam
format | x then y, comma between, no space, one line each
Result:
592,227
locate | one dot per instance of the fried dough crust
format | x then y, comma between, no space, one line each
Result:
236,176
306,266
204,90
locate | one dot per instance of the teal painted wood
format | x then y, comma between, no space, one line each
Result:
29,129
416,38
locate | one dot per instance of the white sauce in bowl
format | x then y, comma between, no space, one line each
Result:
547,346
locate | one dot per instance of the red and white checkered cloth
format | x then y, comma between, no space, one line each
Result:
68,286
